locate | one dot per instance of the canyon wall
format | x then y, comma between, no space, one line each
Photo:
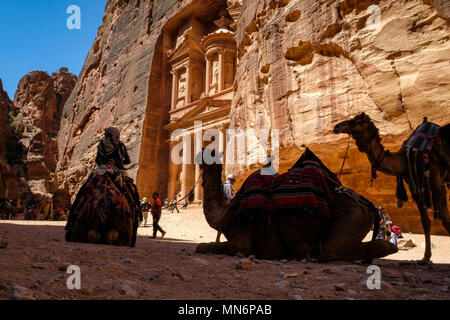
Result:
307,65
111,90
9,186
38,103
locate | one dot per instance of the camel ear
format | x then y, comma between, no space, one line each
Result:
362,116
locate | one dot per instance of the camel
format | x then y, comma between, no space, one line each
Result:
368,141
107,210
276,235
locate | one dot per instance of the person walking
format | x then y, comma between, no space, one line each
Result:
156,213
395,231
145,210
228,193
9,208
174,206
48,208
228,189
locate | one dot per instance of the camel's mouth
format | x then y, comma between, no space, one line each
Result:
343,127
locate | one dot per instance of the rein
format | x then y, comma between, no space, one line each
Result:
376,166
187,195
345,157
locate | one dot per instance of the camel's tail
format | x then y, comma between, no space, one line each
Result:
444,134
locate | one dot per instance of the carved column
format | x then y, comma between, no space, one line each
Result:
208,74
223,142
173,170
198,195
174,88
185,165
188,84
198,188
221,67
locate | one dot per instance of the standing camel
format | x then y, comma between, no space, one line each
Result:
368,141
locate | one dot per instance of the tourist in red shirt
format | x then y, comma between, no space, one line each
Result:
156,213
396,232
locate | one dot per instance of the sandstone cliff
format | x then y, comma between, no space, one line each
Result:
39,101
8,174
306,65
111,90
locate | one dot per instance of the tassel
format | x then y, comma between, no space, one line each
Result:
401,194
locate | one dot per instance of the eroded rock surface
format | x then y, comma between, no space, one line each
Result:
9,186
112,90
39,101
307,65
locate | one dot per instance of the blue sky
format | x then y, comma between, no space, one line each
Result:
34,36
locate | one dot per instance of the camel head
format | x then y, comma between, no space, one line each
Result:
361,128
354,126
211,169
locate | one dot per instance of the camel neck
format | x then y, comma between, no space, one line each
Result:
213,202
385,161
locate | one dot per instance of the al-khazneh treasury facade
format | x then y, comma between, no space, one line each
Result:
201,61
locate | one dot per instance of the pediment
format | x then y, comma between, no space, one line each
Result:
206,109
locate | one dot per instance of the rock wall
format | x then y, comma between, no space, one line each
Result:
306,65
111,90
39,101
9,187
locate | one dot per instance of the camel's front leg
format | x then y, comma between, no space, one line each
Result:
444,208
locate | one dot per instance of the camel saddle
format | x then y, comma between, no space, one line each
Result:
308,186
417,148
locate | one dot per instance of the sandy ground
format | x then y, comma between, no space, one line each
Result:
35,261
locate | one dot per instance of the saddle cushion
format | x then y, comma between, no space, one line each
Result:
308,186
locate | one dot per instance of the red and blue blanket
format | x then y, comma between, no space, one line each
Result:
308,185
417,148
423,138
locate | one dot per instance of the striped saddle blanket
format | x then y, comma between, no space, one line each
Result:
423,138
417,148
308,185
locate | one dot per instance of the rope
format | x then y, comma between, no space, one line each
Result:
345,158
187,195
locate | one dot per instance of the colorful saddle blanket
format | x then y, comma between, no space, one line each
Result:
309,185
254,193
105,182
423,138
417,148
